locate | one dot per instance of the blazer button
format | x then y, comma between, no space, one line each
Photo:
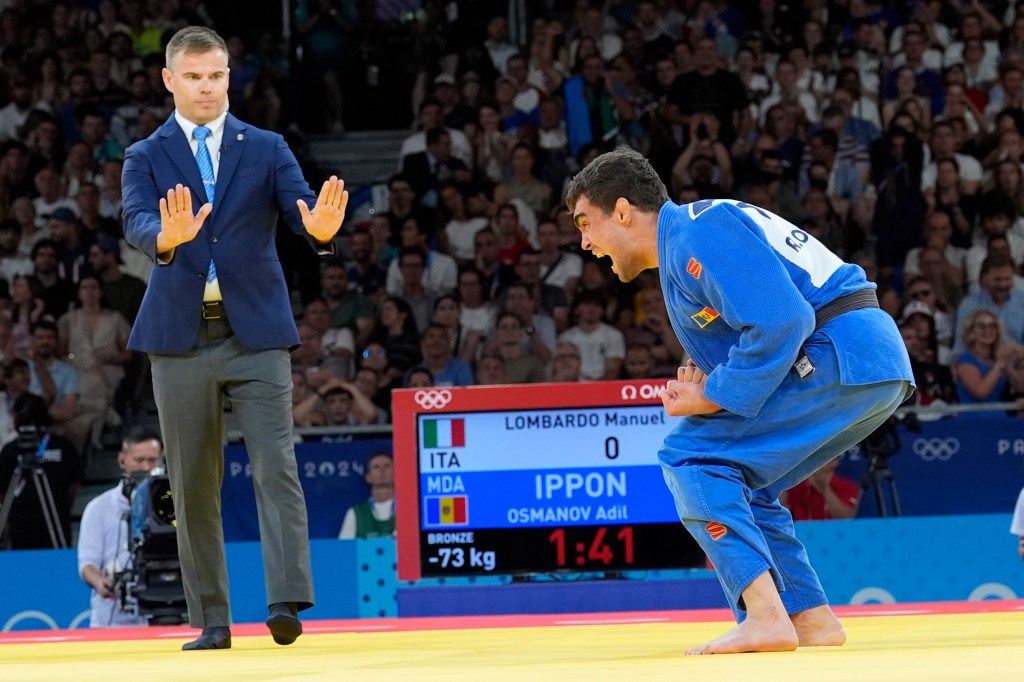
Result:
202,275
213,240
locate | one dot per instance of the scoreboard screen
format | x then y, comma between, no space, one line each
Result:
534,479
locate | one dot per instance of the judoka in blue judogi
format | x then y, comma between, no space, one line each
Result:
792,363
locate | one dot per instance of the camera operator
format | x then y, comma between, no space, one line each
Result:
58,460
103,538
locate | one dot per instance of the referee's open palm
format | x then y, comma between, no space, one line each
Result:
177,222
324,220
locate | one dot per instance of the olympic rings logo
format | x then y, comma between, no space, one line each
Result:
941,449
432,400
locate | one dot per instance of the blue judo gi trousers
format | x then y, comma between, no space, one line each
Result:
726,472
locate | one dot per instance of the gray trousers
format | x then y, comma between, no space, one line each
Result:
189,390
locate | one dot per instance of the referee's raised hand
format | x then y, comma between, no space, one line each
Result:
177,222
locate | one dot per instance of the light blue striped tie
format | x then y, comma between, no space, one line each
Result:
205,164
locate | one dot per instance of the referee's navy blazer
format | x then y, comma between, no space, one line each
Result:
258,179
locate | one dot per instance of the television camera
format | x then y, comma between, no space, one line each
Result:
877,448
31,446
153,577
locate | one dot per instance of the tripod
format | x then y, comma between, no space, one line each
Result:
878,473
44,495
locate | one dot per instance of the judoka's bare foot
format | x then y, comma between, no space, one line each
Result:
766,628
776,634
818,627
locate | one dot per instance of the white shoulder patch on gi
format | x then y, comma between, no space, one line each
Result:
792,243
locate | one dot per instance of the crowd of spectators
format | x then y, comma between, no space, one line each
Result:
890,131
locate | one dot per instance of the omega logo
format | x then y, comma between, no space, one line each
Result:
645,391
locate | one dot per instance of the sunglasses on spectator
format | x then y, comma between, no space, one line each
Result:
921,293
367,354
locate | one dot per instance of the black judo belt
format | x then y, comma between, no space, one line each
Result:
865,298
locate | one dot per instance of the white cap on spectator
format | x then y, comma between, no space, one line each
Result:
917,308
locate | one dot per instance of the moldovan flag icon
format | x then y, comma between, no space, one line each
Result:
446,511
444,433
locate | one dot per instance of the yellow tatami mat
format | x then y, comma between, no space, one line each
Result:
922,645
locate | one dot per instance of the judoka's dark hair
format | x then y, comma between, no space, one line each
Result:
621,173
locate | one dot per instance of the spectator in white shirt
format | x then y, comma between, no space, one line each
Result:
440,272
997,216
497,44
461,227
592,26
789,93
938,230
943,144
601,346
557,267
430,118
13,116
928,15
972,28
477,315
12,262
51,197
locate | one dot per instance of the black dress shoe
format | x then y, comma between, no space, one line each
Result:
284,622
212,638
